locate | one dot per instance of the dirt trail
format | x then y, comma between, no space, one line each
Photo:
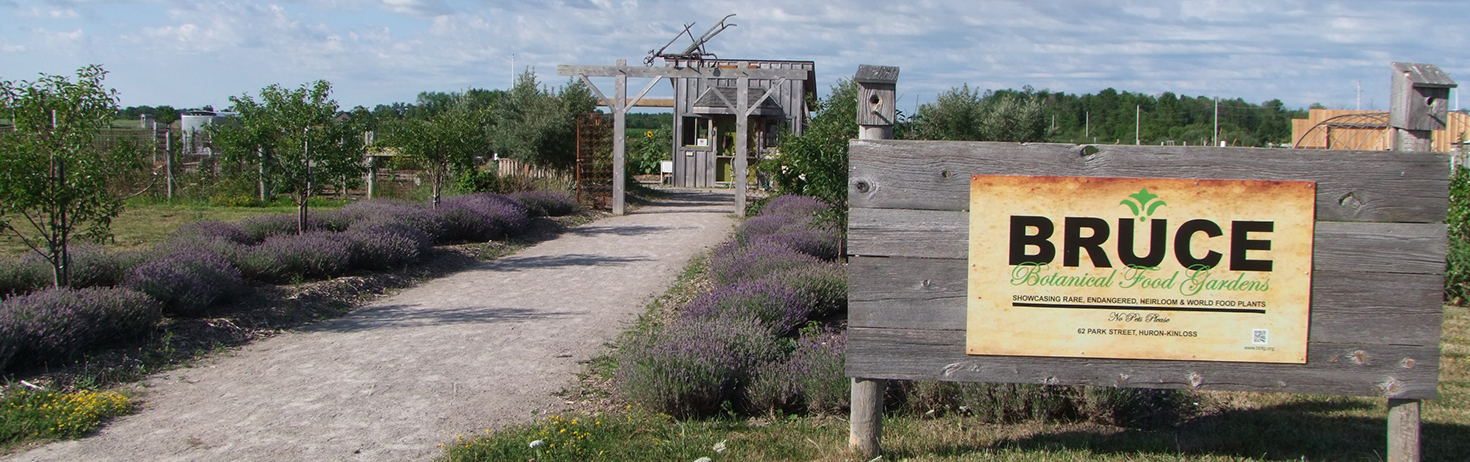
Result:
479,349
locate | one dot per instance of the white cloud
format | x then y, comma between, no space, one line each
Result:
39,12
389,50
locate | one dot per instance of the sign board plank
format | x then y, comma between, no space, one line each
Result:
1351,185
1393,371
905,293
1384,247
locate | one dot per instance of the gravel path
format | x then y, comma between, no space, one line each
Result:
479,349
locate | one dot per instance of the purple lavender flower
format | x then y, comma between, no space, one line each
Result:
482,217
771,302
289,257
733,262
187,282
542,203
58,324
690,367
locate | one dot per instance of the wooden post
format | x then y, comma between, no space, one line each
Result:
1403,430
876,111
1418,106
372,174
620,126
742,145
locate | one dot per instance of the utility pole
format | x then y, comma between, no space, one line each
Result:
1137,124
1360,95
1087,129
1216,140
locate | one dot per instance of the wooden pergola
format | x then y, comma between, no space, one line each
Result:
619,105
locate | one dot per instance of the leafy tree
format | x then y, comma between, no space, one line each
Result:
53,179
166,115
293,139
443,142
966,114
815,163
539,126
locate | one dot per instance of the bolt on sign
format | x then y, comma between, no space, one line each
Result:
1131,268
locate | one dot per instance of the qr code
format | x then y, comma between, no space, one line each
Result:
1258,336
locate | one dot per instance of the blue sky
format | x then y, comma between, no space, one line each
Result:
192,53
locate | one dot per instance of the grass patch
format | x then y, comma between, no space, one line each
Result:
637,435
39,415
142,225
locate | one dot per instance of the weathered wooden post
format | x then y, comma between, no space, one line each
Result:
875,113
742,134
1418,107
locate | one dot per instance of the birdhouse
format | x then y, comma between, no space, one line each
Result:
876,93
1420,99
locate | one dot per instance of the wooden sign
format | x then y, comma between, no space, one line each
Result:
1377,264
1132,268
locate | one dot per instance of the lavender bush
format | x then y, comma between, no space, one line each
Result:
810,380
187,282
294,257
212,230
796,206
779,307
23,275
58,324
262,227
733,262
481,217
92,266
541,203
762,225
381,211
693,366
817,243
386,245
822,287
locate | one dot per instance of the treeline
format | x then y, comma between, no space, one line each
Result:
1108,116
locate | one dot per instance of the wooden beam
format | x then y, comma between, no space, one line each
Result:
681,72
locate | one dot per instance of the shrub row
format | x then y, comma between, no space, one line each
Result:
743,345
58,324
117,296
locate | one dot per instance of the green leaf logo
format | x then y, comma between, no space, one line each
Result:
1143,203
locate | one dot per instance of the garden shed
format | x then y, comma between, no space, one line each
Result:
705,125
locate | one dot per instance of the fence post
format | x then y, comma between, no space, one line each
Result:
1417,107
875,114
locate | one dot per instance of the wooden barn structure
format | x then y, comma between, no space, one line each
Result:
705,125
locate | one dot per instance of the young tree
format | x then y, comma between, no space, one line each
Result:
815,163
537,126
53,180
294,140
964,114
443,142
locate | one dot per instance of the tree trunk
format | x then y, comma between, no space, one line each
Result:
437,180
301,213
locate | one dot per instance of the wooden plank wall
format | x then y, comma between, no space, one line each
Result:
698,170
1376,290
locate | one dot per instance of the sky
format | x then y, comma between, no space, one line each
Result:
195,53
